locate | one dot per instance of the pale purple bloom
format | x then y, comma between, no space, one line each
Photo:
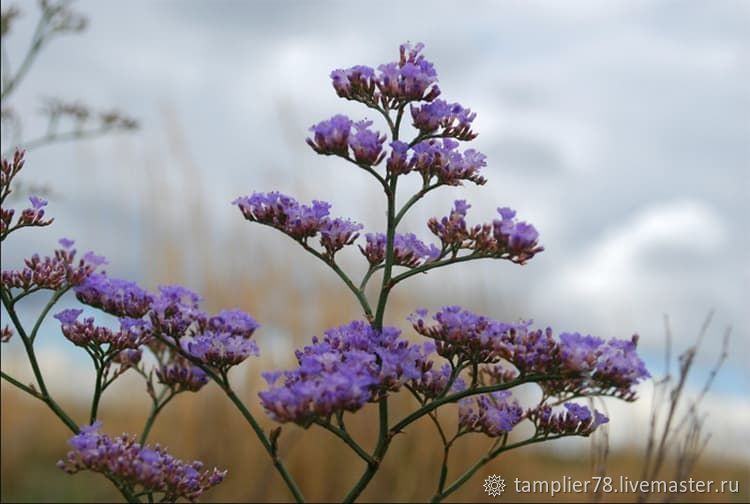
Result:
114,296
125,460
493,414
408,250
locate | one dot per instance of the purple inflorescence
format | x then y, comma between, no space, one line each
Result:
576,419
182,375
117,297
493,414
408,250
412,78
582,361
335,234
299,221
504,238
439,162
133,333
222,340
31,216
335,136
351,365
54,273
125,460
452,119
434,383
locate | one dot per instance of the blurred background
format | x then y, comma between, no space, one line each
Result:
620,129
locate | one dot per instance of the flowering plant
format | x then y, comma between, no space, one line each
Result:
466,359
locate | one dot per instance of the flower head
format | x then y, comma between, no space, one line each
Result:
151,468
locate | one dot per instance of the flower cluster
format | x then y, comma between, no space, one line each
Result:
299,221
133,333
576,419
493,414
463,336
412,78
54,273
408,250
335,137
117,297
437,161
31,216
181,375
504,238
583,362
453,119
152,469
351,365
222,340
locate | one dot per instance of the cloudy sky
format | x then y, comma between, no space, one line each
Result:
620,129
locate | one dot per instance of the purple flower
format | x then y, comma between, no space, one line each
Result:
441,161
579,353
53,273
284,213
619,364
367,145
120,298
398,162
575,420
467,336
453,119
175,310
503,239
133,333
331,136
66,243
408,250
223,340
37,203
337,233
493,414
124,460
351,365
410,78
355,83
182,375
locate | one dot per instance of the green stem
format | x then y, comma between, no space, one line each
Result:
97,392
416,415
491,455
432,265
43,314
290,483
20,385
156,408
419,195
346,438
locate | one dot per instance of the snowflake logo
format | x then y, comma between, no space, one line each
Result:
494,485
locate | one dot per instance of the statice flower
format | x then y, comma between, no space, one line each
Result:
300,221
576,419
408,250
355,83
412,78
151,469
284,213
54,273
175,310
222,340
469,337
434,383
504,238
332,136
30,216
579,353
441,161
399,162
452,119
619,364
132,333
335,234
182,375
367,145
351,365
493,414
120,298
